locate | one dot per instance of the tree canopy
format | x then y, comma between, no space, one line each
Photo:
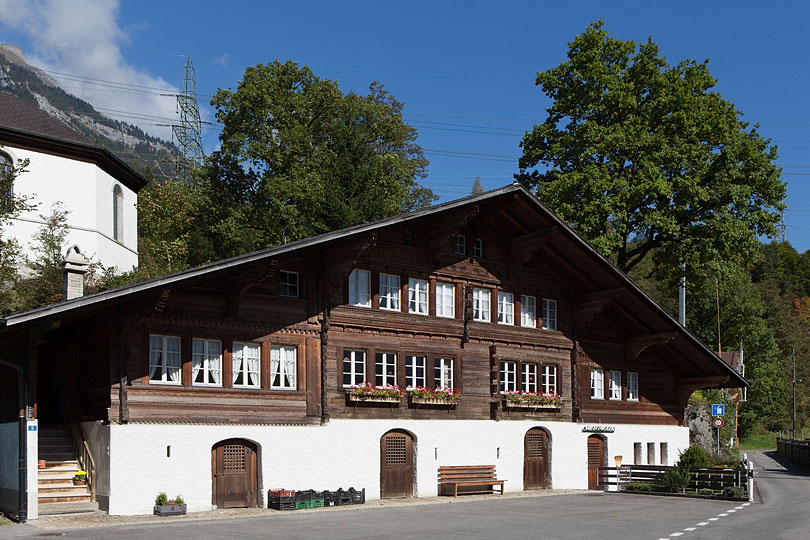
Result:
643,157
298,157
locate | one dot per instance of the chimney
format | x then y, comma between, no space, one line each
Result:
74,267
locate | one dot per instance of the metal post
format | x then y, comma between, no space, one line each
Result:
794,395
718,441
682,296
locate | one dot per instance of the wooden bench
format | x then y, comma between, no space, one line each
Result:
451,477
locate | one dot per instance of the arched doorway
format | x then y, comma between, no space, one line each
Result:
596,459
536,459
396,465
234,474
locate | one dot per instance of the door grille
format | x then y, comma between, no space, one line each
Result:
395,450
233,458
535,445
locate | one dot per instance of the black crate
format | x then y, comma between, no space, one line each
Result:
331,498
276,499
343,496
357,497
308,495
287,505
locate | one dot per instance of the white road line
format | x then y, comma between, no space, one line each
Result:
738,507
663,539
676,534
713,519
731,511
702,523
745,504
722,515
689,529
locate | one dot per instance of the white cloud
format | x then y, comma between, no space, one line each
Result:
222,60
83,38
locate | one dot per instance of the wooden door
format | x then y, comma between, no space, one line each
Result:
235,482
596,458
536,460
396,465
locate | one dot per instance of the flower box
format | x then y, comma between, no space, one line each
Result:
446,401
170,509
530,405
393,400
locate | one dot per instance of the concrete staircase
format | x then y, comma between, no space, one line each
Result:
57,494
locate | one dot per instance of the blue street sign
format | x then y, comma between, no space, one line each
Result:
718,409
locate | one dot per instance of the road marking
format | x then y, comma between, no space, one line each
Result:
745,504
722,515
676,534
689,529
738,507
702,523
713,519
731,511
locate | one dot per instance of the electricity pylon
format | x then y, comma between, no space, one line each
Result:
188,132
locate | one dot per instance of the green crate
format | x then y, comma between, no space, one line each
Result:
303,504
316,503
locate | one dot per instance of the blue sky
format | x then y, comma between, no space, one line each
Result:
465,70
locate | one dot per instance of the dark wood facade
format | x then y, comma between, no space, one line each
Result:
96,349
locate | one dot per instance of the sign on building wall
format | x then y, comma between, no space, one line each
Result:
598,429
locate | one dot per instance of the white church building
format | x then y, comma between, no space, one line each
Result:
98,190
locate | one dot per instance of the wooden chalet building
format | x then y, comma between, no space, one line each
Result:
222,381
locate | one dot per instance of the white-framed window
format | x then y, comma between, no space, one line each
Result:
288,284
478,249
164,359
415,366
389,292
360,288
445,300
506,308
246,365
549,383
481,304
283,367
354,368
528,377
459,245
418,296
632,386
615,382
597,384
118,213
385,369
508,377
206,362
443,372
528,311
549,314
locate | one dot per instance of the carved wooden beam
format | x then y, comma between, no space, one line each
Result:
266,273
708,381
346,266
588,306
634,346
521,248
442,238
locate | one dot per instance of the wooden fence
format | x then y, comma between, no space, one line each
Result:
711,478
796,451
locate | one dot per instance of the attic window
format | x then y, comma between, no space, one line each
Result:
459,245
478,249
408,238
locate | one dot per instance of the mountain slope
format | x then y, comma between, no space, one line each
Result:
145,153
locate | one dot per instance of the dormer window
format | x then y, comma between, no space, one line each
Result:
118,214
460,245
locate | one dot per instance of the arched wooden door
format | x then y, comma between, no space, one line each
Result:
596,458
396,465
536,460
235,477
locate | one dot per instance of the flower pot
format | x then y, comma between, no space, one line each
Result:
393,400
418,400
79,482
170,509
41,464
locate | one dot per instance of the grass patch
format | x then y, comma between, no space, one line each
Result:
761,440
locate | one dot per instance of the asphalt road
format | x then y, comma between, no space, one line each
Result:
783,512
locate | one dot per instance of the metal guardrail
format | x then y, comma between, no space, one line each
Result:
796,451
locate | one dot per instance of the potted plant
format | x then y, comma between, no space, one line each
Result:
532,400
80,478
440,395
389,393
169,507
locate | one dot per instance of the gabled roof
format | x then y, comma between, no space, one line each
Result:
24,125
600,266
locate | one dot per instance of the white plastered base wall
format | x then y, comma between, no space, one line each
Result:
346,453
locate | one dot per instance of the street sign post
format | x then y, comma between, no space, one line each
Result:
718,409
718,423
